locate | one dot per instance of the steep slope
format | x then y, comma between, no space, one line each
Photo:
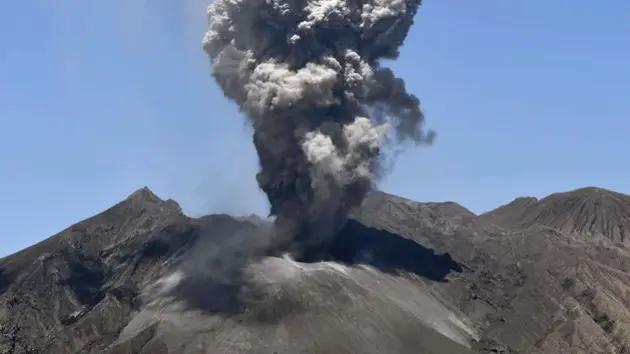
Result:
64,292
306,308
402,277
530,290
591,212
75,291
355,303
510,215
445,216
534,290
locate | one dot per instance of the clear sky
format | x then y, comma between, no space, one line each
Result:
98,99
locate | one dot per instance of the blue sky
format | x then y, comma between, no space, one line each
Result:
98,99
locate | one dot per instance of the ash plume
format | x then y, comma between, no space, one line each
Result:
306,73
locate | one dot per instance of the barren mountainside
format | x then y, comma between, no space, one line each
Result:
402,276
589,212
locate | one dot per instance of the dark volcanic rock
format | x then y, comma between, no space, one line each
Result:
528,289
401,277
67,293
75,291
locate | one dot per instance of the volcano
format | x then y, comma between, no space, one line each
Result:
533,276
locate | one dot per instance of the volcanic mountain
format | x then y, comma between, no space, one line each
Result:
534,276
590,212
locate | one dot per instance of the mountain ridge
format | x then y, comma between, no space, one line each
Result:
586,212
519,287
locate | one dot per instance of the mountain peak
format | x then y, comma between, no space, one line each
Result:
588,211
509,214
144,194
594,193
587,194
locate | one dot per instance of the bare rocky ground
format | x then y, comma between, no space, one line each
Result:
533,276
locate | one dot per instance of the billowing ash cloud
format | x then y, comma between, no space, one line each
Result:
307,75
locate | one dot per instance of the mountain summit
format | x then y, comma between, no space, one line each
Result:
590,212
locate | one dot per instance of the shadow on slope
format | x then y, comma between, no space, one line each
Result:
215,281
386,251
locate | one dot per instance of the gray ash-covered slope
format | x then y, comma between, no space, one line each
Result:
75,291
524,290
413,277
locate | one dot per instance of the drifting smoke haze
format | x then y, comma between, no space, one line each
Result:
306,73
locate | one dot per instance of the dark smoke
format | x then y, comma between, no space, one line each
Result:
307,75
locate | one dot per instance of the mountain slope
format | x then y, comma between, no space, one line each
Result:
527,290
68,291
510,215
587,212
401,277
75,291
309,308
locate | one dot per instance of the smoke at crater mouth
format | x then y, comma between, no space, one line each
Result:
306,73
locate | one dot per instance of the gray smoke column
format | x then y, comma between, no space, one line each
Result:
306,73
